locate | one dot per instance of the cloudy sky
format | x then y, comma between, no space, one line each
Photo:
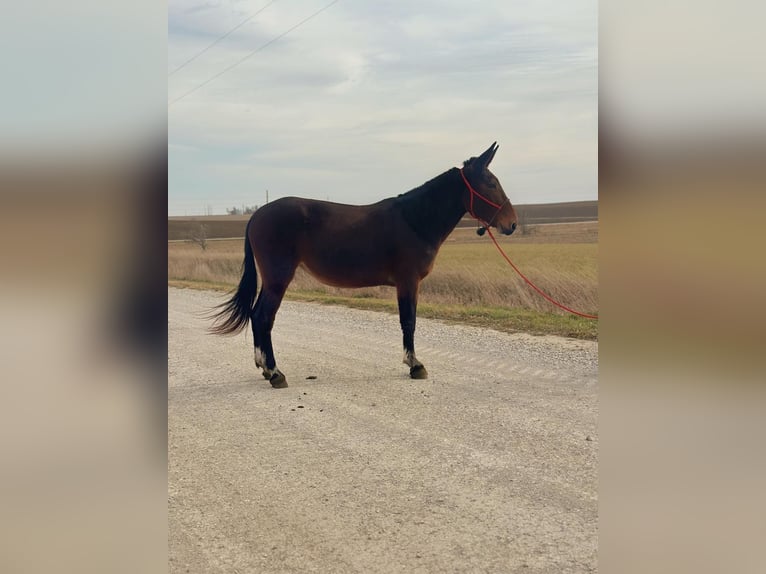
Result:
370,99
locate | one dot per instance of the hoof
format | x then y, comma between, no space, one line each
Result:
278,381
418,372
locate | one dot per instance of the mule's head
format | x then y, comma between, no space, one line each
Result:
484,198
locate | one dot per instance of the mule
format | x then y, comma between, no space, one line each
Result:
392,242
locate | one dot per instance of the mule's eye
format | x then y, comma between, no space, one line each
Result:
489,181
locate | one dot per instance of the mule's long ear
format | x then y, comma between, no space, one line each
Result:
485,158
483,161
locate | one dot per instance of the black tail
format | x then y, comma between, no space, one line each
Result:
234,314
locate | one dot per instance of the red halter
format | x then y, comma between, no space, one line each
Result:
473,193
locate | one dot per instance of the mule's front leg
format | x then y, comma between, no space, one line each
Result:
408,305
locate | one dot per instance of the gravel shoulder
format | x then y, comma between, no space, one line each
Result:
490,465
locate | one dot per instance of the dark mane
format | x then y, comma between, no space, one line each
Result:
433,209
437,181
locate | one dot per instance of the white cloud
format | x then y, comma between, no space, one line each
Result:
370,99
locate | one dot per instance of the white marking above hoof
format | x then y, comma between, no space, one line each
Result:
410,360
260,359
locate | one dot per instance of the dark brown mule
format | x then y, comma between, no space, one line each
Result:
392,242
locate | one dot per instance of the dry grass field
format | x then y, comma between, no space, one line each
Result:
470,281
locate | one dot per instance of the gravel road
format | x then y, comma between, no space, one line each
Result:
489,465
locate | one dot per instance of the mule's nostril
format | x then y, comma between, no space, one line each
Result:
513,227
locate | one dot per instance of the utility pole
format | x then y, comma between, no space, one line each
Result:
267,196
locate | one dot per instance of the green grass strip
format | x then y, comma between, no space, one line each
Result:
508,320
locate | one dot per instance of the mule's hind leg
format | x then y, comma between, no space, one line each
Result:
260,358
264,313
407,296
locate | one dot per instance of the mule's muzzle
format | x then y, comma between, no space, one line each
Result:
504,230
508,230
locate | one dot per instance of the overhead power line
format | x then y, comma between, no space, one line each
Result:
238,26
251,54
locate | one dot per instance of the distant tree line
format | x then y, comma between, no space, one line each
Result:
244,210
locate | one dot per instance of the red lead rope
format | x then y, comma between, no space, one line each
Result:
473,193
535,287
